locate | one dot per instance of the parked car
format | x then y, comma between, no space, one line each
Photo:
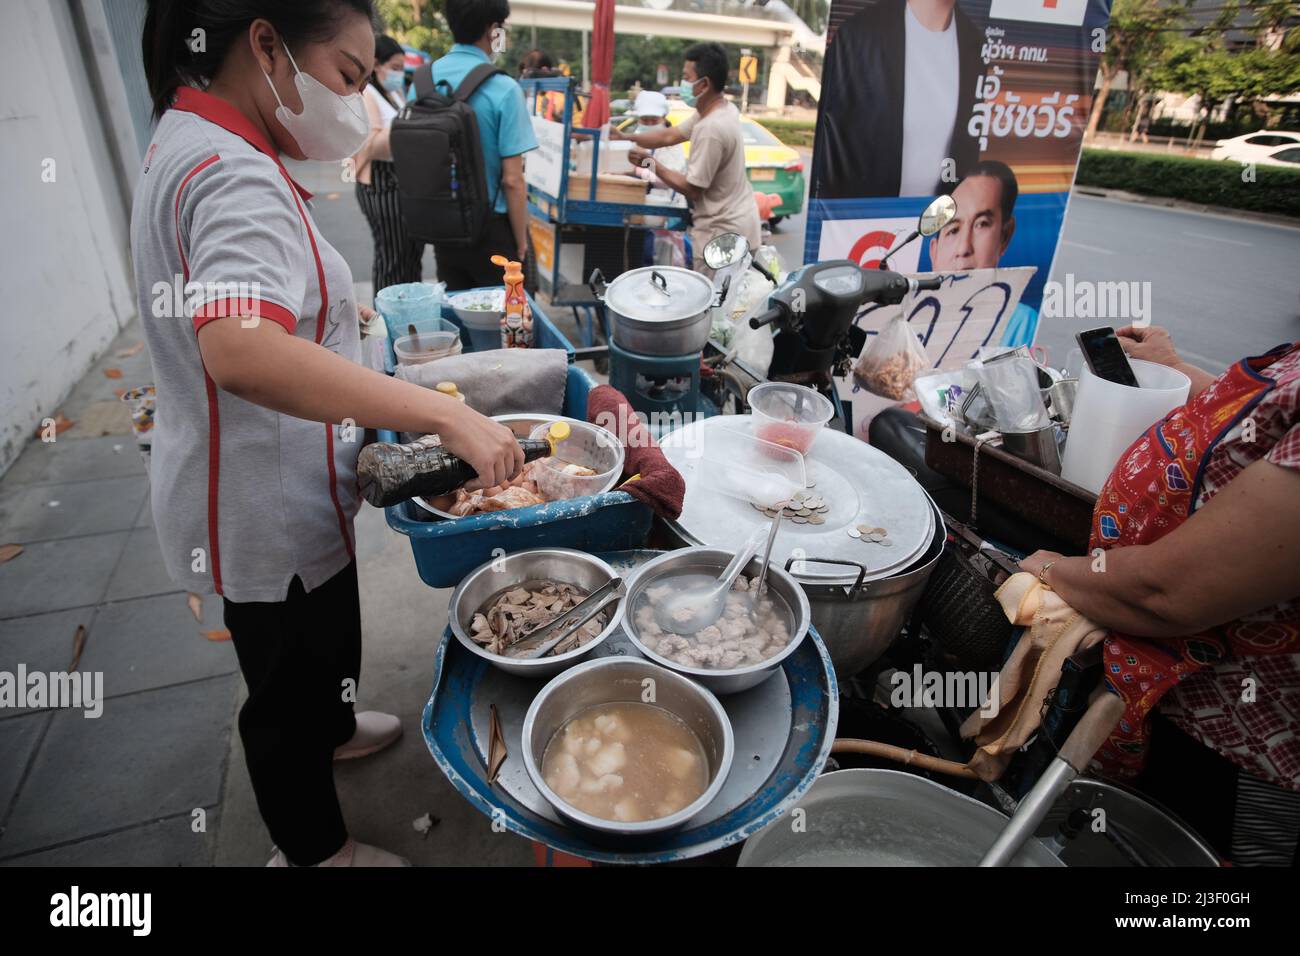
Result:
1255,147
1286,156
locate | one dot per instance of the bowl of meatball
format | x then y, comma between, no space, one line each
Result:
744,647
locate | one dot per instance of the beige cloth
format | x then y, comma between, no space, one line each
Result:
1055,631
716,164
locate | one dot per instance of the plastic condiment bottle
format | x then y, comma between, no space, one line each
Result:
388,473
517,322
450,390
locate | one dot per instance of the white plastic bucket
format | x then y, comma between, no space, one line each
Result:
1109,417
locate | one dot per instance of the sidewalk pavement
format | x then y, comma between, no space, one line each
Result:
126,788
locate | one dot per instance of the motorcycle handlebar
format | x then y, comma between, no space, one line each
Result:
929,285
773,314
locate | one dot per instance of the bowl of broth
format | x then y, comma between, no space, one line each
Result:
622,745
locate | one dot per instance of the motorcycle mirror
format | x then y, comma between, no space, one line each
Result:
937,215
724,250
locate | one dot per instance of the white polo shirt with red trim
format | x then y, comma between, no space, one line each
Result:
244,498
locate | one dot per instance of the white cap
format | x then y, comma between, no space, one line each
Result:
650,103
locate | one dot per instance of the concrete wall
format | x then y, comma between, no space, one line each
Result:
64,250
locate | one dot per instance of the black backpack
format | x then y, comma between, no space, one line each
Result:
438,158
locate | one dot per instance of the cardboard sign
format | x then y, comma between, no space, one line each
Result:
970,311
544,166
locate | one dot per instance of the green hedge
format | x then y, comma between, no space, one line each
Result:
1216,183
791,132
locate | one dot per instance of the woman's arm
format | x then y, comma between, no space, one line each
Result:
376,144
261,363
1237,554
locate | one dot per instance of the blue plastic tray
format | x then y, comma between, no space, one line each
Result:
445,551
454,725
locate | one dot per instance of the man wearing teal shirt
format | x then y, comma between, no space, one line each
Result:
506,133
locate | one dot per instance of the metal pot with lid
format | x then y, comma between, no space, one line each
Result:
657,310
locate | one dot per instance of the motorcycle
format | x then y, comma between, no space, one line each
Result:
812,313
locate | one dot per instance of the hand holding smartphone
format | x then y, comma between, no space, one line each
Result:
1105,356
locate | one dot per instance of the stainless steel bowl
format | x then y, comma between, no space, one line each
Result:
522,424
619,679
554,564
864,817
714,561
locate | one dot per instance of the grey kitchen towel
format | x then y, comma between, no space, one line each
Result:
502,381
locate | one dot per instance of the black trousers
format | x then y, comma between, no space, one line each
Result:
397,256
295,656
470,267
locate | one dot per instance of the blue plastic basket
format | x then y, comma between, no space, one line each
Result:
546,336
445,551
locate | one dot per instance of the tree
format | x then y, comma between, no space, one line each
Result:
1137,30
417,23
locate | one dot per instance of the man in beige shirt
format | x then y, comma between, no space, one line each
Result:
714,182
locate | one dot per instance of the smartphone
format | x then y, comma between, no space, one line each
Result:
1105,356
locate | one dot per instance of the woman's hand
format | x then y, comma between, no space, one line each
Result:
488,446
1034,562
1150,343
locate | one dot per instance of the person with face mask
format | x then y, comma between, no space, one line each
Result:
397,256
714,182
262,400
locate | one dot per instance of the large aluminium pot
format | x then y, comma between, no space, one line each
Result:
658,310
885,818
858,622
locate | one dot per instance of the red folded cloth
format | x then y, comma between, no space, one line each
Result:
660,486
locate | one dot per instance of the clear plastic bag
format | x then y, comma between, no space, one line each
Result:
1011,387
889,364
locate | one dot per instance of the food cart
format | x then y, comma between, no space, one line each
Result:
584,213
861,541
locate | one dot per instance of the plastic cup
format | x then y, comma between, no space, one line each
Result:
589,446
425,347
412,303
789,415
1109,417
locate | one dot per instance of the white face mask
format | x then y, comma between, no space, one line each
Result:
330,127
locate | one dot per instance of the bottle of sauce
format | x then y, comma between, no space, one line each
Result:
389,473
517,321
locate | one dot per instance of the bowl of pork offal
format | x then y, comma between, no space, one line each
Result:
749,642
498,578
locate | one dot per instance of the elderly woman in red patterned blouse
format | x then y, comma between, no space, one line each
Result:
1195,569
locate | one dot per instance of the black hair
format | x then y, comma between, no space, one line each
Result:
385,49
710,61
470,19
1000,171
535,63
173,57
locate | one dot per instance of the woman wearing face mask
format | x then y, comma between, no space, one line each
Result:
261,399
397,255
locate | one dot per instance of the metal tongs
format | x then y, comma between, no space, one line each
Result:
566,624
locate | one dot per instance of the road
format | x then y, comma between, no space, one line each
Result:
1225,287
